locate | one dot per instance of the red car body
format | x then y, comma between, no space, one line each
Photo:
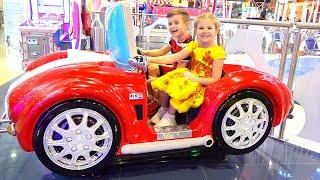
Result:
110,86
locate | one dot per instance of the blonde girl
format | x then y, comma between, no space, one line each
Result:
185,88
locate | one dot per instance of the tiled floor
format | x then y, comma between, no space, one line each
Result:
273,160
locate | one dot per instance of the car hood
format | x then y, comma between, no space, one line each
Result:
68,57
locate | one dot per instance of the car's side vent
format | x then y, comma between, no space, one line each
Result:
139,111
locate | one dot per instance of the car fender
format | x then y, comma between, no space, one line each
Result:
218,92
37,99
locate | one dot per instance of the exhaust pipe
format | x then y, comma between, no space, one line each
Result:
139,148
209,143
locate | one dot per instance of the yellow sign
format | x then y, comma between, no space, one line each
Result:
180,3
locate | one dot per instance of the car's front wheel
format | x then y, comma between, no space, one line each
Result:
243,122
77,138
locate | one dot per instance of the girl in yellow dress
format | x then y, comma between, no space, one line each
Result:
185,88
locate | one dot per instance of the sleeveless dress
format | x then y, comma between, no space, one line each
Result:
184,93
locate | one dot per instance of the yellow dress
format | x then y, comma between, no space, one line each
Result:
184,93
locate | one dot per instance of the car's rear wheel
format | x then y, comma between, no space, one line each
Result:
243,122
77,138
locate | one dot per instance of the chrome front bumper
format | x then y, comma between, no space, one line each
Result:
10,126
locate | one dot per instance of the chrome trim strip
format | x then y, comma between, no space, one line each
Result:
166,145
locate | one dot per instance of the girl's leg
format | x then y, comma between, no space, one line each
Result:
164,101
172,110
168,119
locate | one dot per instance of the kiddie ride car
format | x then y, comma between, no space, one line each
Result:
78,110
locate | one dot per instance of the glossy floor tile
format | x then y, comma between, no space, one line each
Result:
273,160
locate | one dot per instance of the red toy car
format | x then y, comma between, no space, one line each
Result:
78,110
78,113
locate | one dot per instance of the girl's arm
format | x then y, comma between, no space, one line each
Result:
217,66
157,52
169,59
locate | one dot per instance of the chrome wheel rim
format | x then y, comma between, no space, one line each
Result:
245,123
78,139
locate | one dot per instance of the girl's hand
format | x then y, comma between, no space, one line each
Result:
189,75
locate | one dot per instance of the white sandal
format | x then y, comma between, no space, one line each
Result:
166,120
157,117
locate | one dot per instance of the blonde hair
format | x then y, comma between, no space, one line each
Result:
211,17
184,14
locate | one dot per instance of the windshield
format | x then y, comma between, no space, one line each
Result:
120,43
